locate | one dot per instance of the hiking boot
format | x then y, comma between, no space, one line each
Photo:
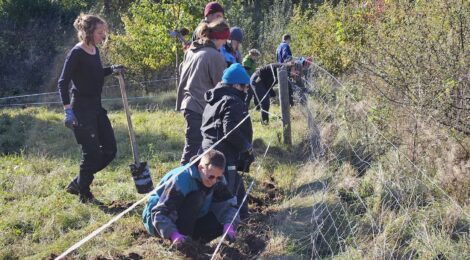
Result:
73,188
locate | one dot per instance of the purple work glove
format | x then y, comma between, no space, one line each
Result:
231,233
177,238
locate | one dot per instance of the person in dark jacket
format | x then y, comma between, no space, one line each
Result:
203,67
84,113
283,53
224,111
189,205
262,83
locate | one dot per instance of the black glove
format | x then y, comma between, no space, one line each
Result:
246,158
272,93
117,69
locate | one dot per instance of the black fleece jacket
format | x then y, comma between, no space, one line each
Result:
86,73
224,110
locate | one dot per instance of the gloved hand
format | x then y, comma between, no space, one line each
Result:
117,69
245,159
69,120
272,93
177,239
231,233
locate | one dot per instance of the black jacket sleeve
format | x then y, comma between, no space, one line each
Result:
232,116
70,65
107,71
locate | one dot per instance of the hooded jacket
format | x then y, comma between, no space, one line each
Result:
202,69
161,211
249,64
266,76
225,109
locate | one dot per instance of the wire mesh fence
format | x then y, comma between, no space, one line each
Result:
380,199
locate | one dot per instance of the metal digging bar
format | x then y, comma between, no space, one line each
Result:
139,170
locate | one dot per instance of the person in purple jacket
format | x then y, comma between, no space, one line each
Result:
83,112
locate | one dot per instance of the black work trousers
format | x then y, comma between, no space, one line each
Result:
193,136
96,136
261,94
237,188
204,228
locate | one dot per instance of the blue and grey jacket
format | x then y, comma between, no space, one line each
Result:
161,212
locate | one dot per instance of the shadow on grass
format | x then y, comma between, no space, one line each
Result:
297,153
357,156
320,231
312,187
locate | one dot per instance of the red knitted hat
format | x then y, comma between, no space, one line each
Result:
212,7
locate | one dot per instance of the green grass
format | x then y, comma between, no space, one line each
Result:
379,210
40,157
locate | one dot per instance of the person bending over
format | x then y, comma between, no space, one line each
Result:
190,206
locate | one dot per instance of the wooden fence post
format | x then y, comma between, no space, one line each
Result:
285,105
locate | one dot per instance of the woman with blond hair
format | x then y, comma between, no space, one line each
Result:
83,112
202,69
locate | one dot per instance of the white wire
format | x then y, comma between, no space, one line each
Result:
239,208
107,86
394,146
99,230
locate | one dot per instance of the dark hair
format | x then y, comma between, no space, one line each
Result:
286,37
85,24
205,29
213,158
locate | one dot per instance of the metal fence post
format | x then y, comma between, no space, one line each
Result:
285,105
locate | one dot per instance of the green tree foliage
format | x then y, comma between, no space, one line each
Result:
414,54
31,31
263,23
146,46
419,52
328,34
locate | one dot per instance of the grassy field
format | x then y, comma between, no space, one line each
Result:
40,157
361,199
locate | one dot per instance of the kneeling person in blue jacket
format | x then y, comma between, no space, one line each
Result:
190,204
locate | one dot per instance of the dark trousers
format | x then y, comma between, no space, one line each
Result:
249,96
193,138
96,136
259,93
203,228
237,188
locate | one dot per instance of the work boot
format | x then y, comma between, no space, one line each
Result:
73,188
